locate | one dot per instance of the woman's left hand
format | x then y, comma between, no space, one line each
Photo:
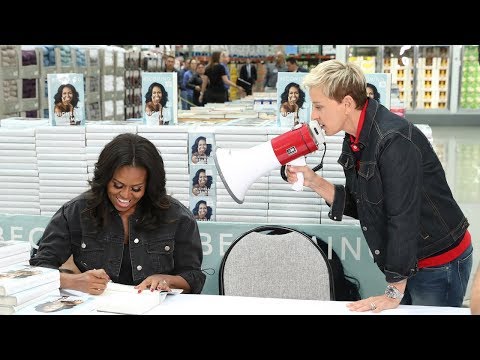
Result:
375,304
157,281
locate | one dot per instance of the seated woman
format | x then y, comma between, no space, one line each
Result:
125,228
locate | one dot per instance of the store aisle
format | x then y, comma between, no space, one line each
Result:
458,148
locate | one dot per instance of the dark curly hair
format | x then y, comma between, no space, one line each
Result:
376,94
301,94
129,150
197,206
195,146
148,95
197,175
57,98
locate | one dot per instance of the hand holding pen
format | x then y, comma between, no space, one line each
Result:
92,281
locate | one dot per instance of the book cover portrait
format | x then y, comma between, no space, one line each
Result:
159,98
201,148
379,87
66,104
293,101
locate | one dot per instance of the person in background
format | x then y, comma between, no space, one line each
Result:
201,150
201,183
248,73
396,186
224,60
215,91
181,85
273,69
195,84
186,79
475,294
372,92
292,100
292,65
125,228
201,211
169,64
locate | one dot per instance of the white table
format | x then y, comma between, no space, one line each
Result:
187,304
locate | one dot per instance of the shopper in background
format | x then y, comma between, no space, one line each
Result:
186,78
169,64
396,186
215,91
181,85
292,65
372,92
248,73
475,294
125,228
273,69
224,60
195,84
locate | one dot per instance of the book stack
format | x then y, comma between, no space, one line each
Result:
22,285
19,178
172,142
61,165
14,252
254,209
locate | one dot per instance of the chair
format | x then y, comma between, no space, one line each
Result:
287,265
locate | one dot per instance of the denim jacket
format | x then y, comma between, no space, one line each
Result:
400,195
174,247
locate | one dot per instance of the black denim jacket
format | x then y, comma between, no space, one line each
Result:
400,195
173,248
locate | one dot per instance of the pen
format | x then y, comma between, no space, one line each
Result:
86,267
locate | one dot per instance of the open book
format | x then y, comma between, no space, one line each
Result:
125,299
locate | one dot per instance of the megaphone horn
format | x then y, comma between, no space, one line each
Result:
239,168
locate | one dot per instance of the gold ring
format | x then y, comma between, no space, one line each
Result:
373,306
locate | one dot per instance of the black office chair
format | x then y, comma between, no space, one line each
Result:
289,265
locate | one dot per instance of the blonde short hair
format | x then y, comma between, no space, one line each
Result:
337,80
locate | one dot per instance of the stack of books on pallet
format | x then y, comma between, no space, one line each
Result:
22,285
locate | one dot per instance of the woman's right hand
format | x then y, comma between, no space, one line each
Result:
92,281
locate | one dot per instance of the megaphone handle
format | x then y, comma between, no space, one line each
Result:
298,185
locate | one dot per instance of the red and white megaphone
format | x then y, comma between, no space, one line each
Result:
239,168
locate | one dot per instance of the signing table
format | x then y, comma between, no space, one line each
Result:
187,304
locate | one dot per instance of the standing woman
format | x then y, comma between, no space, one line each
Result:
217,79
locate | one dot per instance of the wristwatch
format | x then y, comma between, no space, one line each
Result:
393,293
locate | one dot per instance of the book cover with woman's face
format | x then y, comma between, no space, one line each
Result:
66,99
293,100
159,98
